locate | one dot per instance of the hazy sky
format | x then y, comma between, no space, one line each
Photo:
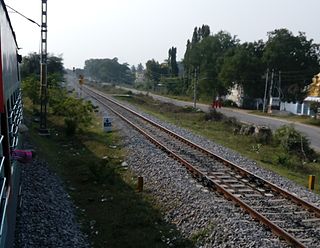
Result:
138,30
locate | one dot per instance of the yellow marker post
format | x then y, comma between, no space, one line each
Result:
312,180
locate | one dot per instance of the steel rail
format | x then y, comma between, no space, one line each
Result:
204,178
224,161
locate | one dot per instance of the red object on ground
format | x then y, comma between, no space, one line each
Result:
22,156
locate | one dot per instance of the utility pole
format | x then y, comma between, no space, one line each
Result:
195,88
280,87
270,93
265,92
43,71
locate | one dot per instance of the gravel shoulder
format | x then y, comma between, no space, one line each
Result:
199,214
46,216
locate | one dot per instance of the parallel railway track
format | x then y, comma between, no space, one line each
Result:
285,214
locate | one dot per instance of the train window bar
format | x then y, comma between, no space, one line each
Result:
4,215
2,167
13,142
3,181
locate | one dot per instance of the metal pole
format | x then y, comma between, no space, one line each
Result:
195,89
280,87
43,69
265,92
270,93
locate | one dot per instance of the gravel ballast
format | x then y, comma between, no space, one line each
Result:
46,218
199,214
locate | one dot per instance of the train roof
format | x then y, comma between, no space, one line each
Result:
8,19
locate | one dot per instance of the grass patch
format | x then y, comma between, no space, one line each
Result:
270,157
110,210
291,117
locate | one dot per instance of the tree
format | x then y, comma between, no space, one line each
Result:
140,68
109,70
30,72
172,62
244,67
31,65
211,53
133,69
153,71
296,57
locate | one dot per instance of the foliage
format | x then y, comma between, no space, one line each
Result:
296,56
220,61
109,70
213,115
31,87
229,103
154,71
76,113
30,71
31,65
140,68
174,86
245,68
204,56
172,62
294,142
314,106
264,135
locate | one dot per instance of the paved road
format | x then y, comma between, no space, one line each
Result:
312,132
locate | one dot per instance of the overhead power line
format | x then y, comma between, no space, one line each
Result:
23,16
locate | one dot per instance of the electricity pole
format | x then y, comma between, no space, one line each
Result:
265,92
195,89
270,93
280,87
43,70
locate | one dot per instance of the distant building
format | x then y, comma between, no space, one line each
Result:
303,108
236,95
140,77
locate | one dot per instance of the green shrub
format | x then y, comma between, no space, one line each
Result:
76,113
264,135
229,103
70,126
294,142
102,172
213,115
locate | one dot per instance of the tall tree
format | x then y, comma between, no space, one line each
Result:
109,70
31,65
172,62
153,71
245,68
133,69
296,57
140,68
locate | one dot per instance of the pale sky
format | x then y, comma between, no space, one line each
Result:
138,30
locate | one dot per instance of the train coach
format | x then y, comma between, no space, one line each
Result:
10,119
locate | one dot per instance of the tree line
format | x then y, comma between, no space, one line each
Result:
219,61
109,70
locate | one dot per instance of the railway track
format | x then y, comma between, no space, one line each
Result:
285,214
